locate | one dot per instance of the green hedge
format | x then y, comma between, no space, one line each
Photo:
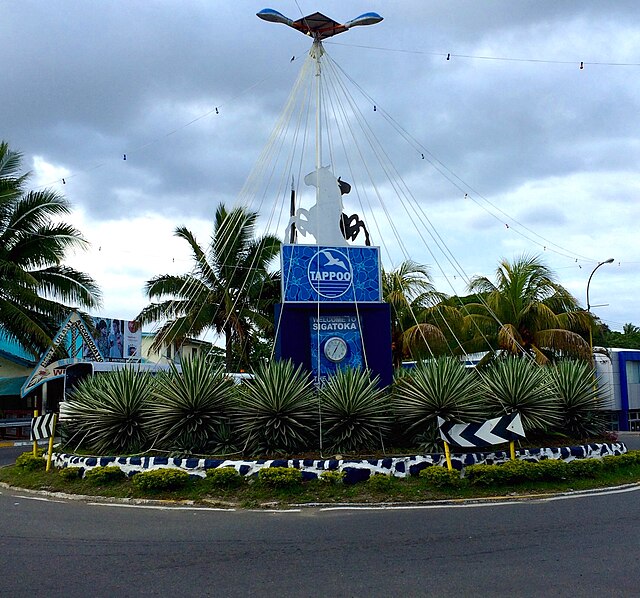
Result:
105,475
381,482
280,477
70,473
547,470
440,477
224,478
29,462
160,479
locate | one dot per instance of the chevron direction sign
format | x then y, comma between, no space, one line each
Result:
42,427
493,431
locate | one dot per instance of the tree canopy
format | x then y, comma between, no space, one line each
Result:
37,291
525,310
229,290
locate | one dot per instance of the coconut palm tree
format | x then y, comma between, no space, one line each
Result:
527,311
36,288
223,292
410,294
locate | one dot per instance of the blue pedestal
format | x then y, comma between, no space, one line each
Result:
364,332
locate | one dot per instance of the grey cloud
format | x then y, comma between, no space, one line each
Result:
85,82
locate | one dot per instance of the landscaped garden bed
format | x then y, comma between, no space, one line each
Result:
130,424
355,470
276,487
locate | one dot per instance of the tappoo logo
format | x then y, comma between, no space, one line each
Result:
330,273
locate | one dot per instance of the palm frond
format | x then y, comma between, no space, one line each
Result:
190,407
437,388
356,413
519,385
276,412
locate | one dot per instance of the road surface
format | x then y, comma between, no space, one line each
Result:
586,546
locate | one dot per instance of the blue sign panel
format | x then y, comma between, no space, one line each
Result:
312,273
335,343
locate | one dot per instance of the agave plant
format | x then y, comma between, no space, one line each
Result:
275,412
437,388
190,406
108,412
356,413
576,389
520,385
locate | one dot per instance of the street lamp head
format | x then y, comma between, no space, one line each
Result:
368,18
609,261
318,25
273,16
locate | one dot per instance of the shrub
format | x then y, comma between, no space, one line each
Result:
625,460
276,410
441,477
552,470
190,406
576,389
516,471
584,468
70,473
332,476
437,387
483,475
107,413
356,413
520,385
105,475
30,462
224,477
280,477
160,479
611,462
381,482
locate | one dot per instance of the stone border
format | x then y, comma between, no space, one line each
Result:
355,470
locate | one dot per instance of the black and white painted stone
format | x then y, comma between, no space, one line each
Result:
355,470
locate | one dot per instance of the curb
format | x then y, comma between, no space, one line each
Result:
11,443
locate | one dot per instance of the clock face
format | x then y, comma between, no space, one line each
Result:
335,349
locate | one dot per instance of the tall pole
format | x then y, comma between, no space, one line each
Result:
609,261
316,51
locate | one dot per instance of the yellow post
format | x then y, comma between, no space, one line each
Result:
512,449
447,455
53,433
35,443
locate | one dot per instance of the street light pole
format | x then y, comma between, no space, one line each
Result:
609,261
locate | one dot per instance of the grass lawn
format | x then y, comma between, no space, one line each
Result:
252,493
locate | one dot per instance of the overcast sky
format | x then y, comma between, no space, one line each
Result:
547,153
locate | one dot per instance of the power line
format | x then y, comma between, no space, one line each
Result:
449,55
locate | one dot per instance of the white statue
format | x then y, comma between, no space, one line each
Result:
323,219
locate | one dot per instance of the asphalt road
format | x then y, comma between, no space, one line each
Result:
8,454
585,546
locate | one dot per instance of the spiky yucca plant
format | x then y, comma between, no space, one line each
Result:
190,406
437,387
108,412
356,413
275,412
575,386
519,384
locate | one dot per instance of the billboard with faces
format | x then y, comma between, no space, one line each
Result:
117,340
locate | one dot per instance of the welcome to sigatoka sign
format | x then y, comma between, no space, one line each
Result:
490,432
